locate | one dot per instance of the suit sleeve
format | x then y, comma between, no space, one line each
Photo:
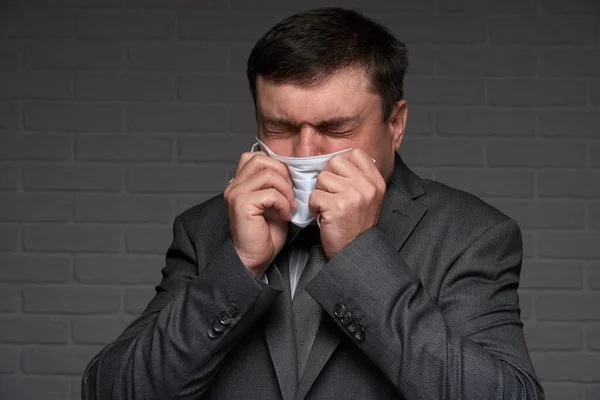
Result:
465,345
168,352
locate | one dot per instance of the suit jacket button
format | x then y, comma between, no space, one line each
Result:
233,310
360,333
225,318
352,326
212,334
346,318
339,310
218,327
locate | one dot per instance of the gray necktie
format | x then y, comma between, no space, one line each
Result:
307,312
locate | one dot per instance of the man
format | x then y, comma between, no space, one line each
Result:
413,285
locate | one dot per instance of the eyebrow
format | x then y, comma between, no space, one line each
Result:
332,122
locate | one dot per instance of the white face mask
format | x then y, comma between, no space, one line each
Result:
304,172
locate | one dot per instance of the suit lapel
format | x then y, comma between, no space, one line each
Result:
400,215
279,329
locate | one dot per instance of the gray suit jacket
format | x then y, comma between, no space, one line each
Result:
434,284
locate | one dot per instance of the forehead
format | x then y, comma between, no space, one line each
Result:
345,93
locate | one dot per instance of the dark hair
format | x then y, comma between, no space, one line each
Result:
305,48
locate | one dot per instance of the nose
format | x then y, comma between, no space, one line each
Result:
307,143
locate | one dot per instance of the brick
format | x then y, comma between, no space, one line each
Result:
489,6
242,118
125,25
422,60
130,208
536,92
73,117
98,330
447,91
10,115
543,30
490,183
225,25
562,391
567,307
79,238
551,275
76,388
485,122
563,337
439,29
570,63
595,97
571,184
141,86
77,54
372,6
536,153
577,245
71,300
9,360
9,237
544,215
42,147
592,335
186,203
594,216
592,392
595,154
593,276
31,268
177,118
127,148
11,54
34,330
231,87
27,387
177,56
420,122
130,270
10,298
442,152
178,4
136,299
177,179
37,24
525,304
76,3
583,7
569,123
214,148
567,367
56,360
73,178
528,245
9,177
35,85
148,240
486,61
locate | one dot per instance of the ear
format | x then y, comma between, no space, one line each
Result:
397,123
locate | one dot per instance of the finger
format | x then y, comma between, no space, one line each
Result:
270,199
332,183
319,202
362,160
259,162
341,165
266,179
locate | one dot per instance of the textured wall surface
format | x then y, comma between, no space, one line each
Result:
116,115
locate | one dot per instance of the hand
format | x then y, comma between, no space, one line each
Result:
259,201
348,195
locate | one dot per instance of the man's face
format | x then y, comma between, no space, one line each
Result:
338,113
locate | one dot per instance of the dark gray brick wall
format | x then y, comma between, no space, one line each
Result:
116,115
